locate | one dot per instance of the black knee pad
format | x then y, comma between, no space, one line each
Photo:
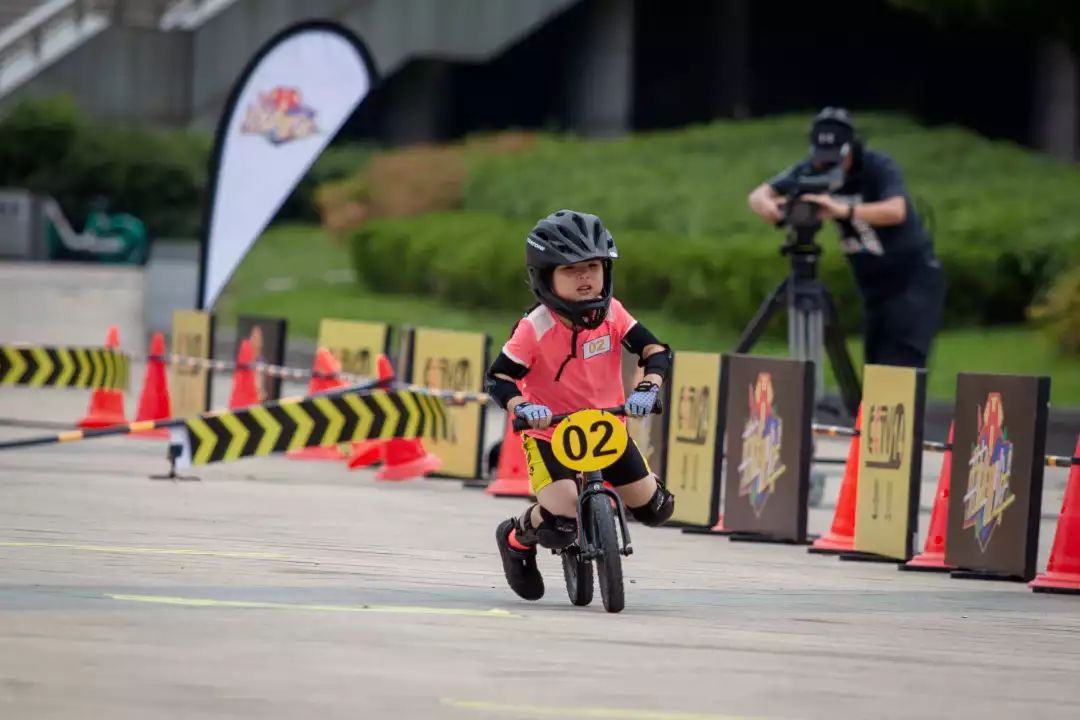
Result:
555,531
658,510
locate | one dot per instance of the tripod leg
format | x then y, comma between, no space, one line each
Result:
767,309
796,329
818,340
843,369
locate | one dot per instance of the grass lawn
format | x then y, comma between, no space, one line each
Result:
299,273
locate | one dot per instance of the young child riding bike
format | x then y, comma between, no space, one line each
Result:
562,357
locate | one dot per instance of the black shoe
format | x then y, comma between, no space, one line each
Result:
519,565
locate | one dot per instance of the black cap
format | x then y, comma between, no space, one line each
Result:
831,135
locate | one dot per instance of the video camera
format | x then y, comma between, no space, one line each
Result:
801,214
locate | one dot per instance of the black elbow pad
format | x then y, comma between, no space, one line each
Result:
638,339
499,388
658,363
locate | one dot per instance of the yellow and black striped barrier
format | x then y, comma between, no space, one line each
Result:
359,412
75,367
315,421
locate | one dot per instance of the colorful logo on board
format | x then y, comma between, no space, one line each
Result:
989,470
761,465
281,116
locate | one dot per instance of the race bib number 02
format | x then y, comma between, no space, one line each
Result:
589,440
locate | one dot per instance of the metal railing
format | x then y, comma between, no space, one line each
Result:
56,27
46,33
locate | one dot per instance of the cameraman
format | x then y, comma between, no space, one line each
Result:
891,254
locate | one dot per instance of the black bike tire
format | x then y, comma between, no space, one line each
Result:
606,539
579,578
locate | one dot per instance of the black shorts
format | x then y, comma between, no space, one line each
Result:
544,468
900,329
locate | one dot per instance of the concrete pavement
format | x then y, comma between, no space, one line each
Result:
282,589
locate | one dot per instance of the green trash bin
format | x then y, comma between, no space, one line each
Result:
112,238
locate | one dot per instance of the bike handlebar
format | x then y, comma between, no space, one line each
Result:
520,424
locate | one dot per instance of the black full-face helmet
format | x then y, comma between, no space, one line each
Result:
564,238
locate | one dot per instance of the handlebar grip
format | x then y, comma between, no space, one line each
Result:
520,424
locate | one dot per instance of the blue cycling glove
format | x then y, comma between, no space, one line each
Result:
642,401
532,413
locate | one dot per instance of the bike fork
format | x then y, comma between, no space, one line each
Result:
596,487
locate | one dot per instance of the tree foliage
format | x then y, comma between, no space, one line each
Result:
1047,18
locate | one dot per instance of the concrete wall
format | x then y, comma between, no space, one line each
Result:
124,73
394,31
184,77
223,45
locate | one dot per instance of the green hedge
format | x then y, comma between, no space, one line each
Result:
1006,220
476,259
157,175
46,147
336,162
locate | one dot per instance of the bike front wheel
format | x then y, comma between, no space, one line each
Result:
609,562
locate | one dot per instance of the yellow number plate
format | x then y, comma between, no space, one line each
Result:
589,440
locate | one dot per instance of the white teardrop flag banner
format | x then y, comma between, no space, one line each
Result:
294,96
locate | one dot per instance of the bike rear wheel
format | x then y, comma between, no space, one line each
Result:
609,562
579,578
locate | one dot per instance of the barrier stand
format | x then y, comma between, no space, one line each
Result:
173,454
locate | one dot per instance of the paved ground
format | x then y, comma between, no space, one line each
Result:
284,589
71,304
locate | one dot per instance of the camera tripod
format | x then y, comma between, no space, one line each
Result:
813,321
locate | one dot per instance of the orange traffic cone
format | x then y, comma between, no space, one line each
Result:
717,529
841,538
406,459
244,390
325,375
106,405
1063,570
154,403
932,558
368,452
512,478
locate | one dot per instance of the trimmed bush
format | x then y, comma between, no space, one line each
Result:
1059,314
337,163
476,259
694,181
410,181
1005,220
159,176
156,175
